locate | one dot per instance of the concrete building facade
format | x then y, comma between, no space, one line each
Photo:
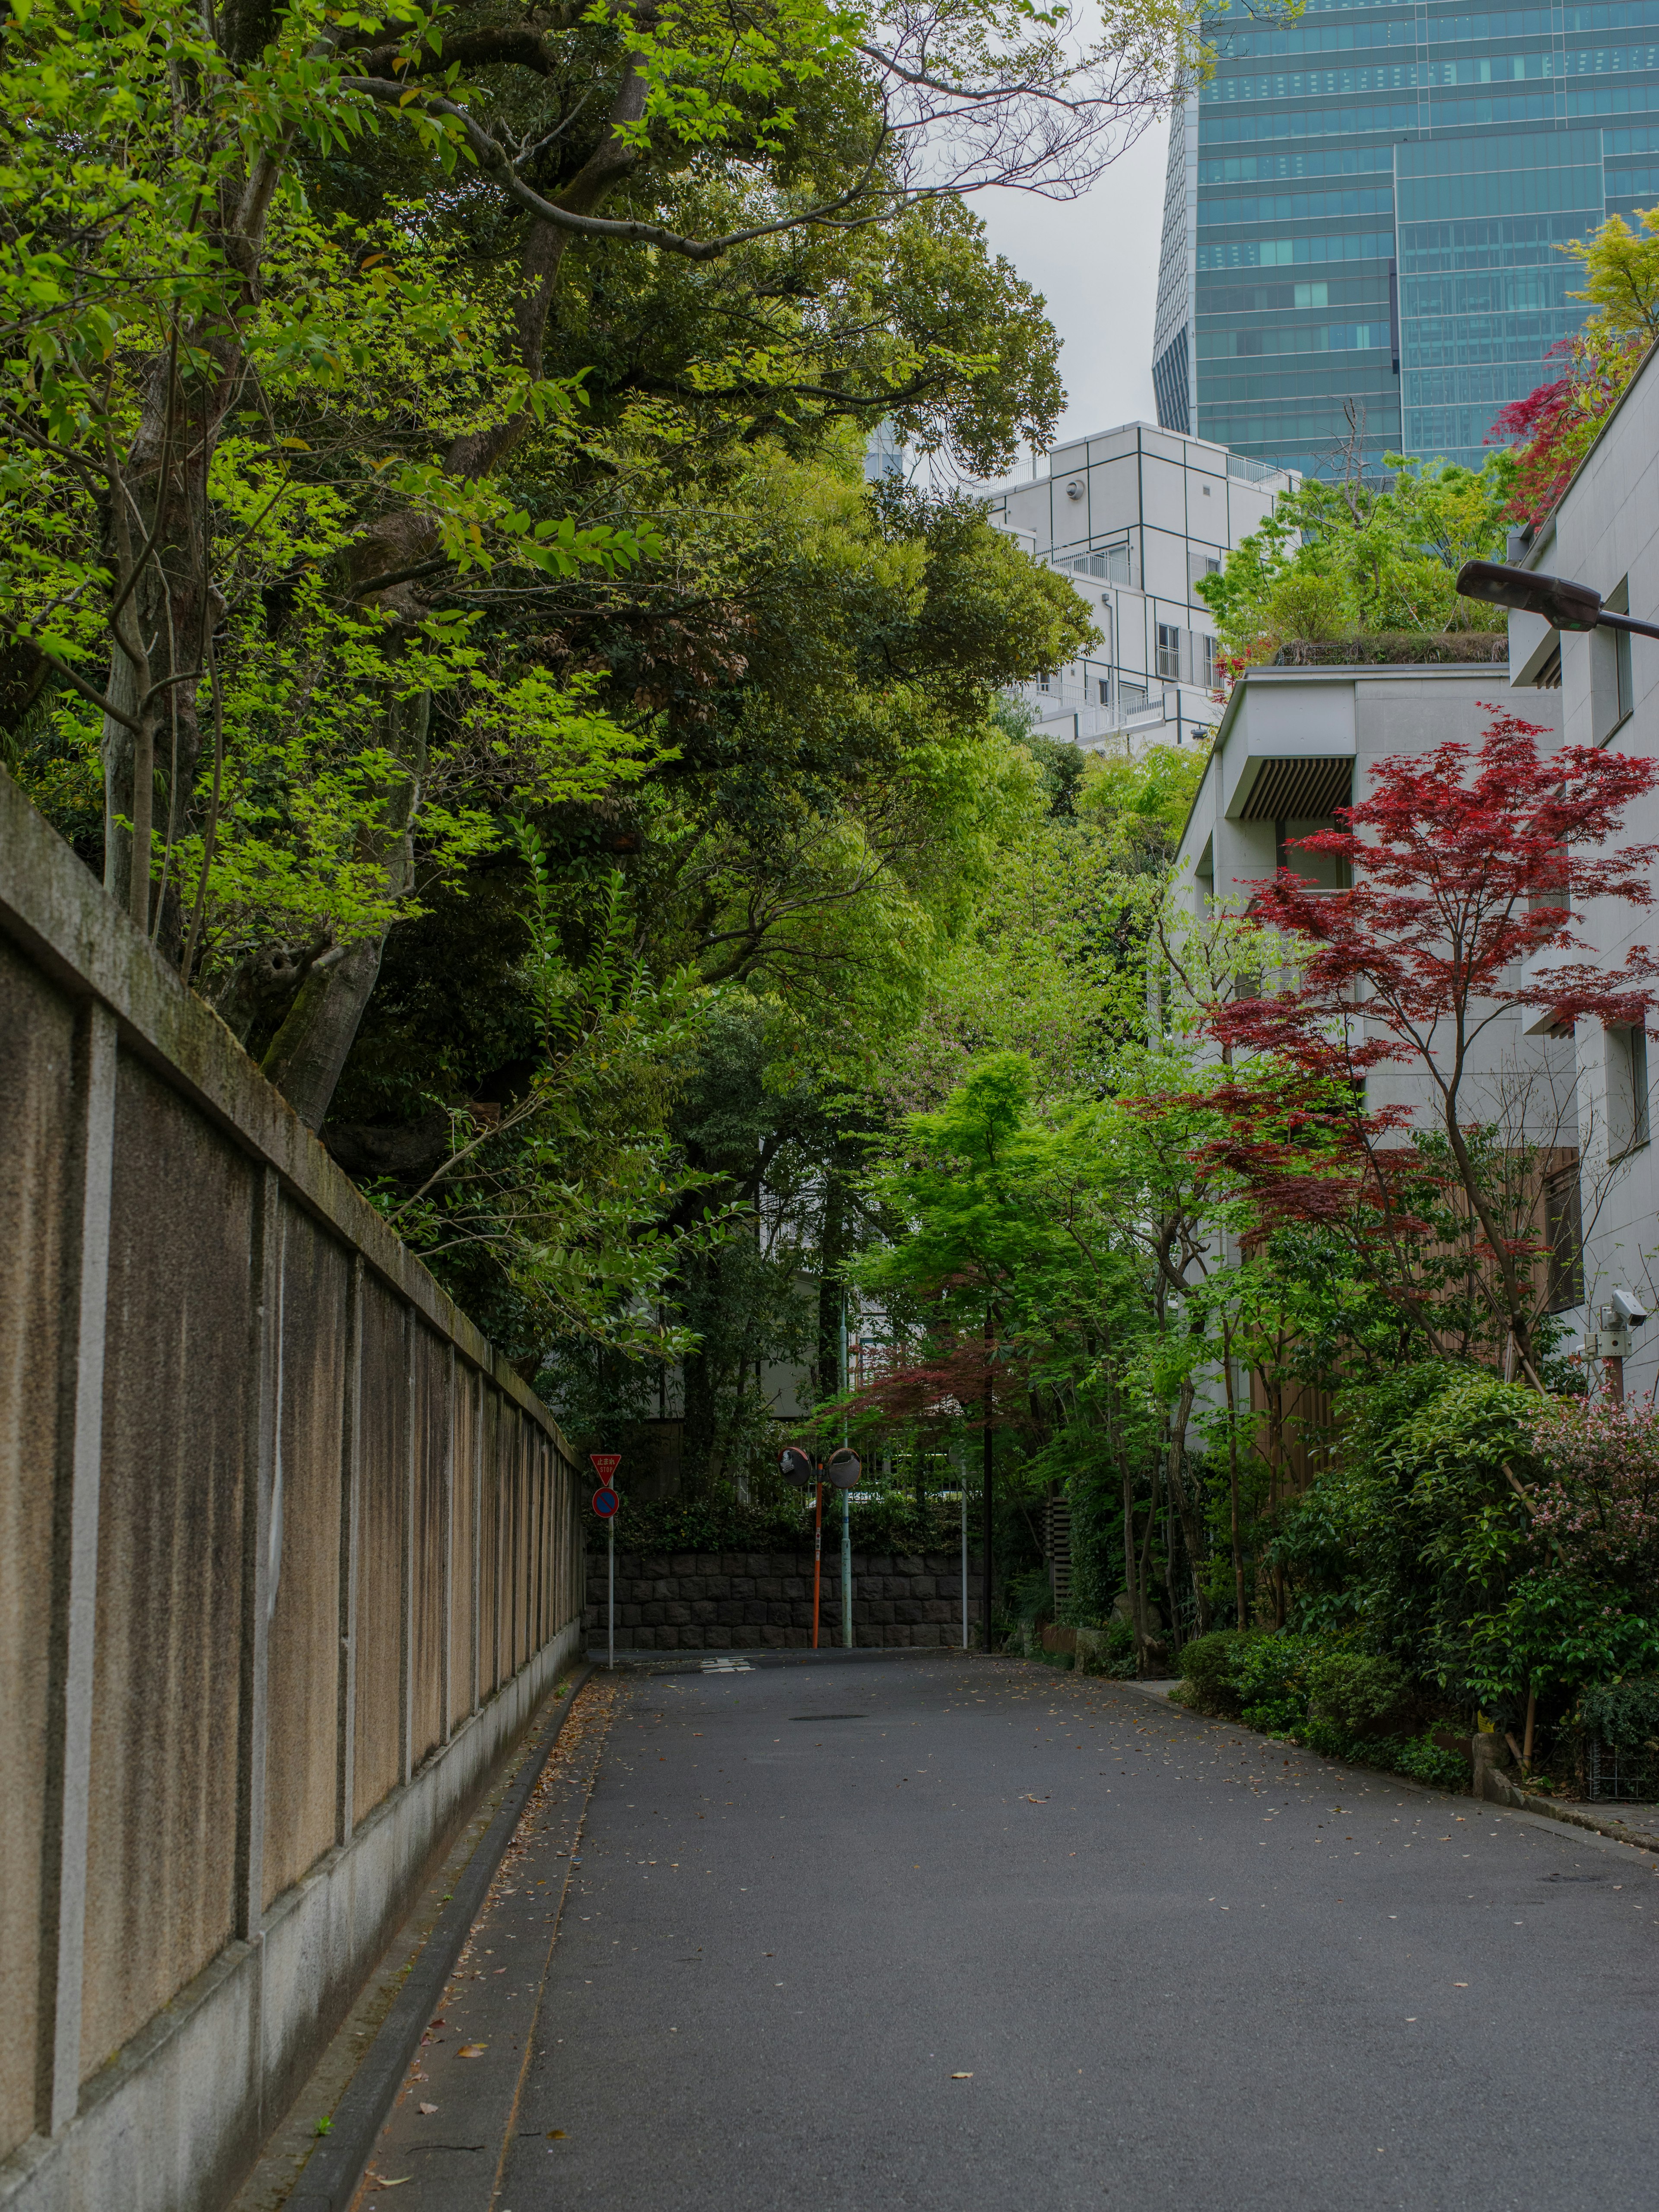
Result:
1296,744
1135,517
1604,689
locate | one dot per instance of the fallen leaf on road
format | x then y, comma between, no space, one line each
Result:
471,2050
556,2135
961,2077
427,2108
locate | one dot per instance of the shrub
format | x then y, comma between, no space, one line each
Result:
1207,1663
1031,1598
1108,1650
1624,1713
1354,1693
1270,1675
1425,1760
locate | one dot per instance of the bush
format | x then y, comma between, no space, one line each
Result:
1625,1713
1031,1598
1353,1692
1424,1760
1270,1675
1207,1662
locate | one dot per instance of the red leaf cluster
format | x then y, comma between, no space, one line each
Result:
1465,863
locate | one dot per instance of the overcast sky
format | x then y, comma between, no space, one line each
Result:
1095,261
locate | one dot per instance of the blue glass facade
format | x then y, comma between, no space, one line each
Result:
1363,209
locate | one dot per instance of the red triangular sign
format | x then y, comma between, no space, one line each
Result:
605,1464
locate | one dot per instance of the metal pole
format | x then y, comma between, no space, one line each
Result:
846,1500
961,1484
846,1568
818,1566
611,1529
989,1462
987,1516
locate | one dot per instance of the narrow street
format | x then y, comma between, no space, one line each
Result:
937,1934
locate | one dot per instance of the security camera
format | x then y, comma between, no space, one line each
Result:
1629,1308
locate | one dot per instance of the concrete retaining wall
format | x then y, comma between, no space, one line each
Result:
754,1600
287,1558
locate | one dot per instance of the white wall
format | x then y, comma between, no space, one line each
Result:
1606,533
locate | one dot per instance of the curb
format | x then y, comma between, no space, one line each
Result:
1522,1800
329,2180
1618,1830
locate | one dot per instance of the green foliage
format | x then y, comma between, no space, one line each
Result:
1355,1691
1337,559
1623,1712
1141,805
1030,1598
1424,1760
1207,1662
1269,1678
1621,276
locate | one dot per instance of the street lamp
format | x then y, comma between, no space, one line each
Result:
1563,604
843,1469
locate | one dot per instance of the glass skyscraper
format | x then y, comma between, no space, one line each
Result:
1361,212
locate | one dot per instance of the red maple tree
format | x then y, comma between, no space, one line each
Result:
1553,428
1464,864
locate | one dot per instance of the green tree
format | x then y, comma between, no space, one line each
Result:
1341,560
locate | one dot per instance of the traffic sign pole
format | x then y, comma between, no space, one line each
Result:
605,1502
817,1567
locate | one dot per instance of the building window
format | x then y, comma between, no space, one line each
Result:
1112,566
1132,698
1043,683
1206,645
1168,652
1612,688
1563,1235
1627,1091
1105,692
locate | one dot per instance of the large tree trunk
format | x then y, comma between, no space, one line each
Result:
158,542
306,1056
1183,1505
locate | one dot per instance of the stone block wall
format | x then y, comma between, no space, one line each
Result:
762,1600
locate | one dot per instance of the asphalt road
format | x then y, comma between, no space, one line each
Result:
979,1936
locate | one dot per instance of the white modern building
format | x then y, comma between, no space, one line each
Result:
1294,745
1135,517
1604,686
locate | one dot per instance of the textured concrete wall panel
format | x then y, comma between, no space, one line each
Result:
489,1547
303,1693
377,1749
37,1075
468,1385
178,1389
430,1535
